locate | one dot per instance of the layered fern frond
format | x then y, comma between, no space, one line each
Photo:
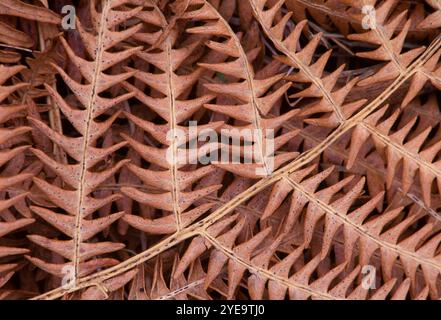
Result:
220,149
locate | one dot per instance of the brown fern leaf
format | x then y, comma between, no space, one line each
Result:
409,143
75,194
390,47
359,226
371,164
220,149
172,184
322,86
253,102
271,278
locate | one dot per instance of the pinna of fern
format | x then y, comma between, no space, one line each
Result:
168,172
81,177
253,97
360,227
417,154
331,100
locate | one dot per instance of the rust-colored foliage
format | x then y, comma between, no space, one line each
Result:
113,133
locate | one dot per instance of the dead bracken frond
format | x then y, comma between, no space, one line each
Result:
220,149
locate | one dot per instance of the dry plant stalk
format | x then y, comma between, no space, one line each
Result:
220,149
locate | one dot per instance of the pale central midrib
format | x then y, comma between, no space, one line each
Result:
432,77
174,145
182,289
256,115
395,60
83,163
